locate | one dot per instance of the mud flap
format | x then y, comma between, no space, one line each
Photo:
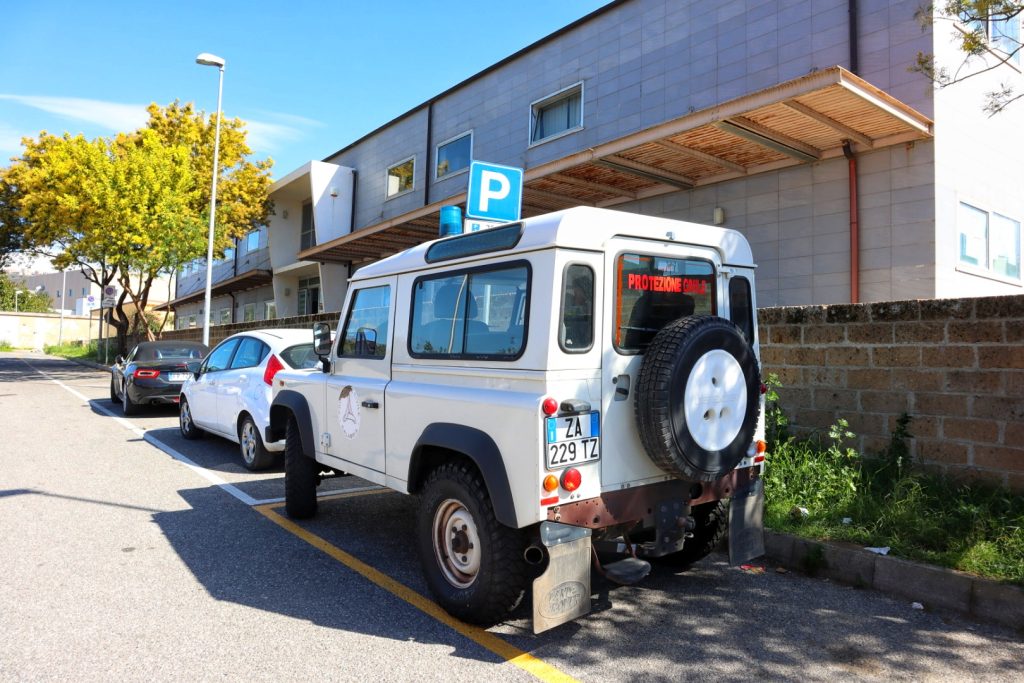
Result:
562,592
746,523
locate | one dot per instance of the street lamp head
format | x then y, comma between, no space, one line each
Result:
207,59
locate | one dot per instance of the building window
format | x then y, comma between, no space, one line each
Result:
557,114
248,312
307,237
85,291
309,296
989,241
59,292
1001,29
269,310
252,241
69,292
400,177
224,316
454,155
192,321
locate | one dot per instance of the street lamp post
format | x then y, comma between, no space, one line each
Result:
17,293
207,59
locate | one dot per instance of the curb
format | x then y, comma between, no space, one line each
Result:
933,587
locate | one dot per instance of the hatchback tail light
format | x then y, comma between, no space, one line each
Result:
273,366
143,373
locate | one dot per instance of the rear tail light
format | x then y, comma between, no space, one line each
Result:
550,483
571,479
141,373
273,366
549,406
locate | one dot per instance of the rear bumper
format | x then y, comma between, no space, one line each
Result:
161,394
635,504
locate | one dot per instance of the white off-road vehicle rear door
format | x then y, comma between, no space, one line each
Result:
648,285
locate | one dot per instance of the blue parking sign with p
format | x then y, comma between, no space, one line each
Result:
495,192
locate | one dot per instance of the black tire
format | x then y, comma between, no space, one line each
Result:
705,439
483,585
113,391
255,455
301,475
128,406
711,526
186,423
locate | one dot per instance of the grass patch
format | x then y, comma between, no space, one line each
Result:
6,345
920,516
73,350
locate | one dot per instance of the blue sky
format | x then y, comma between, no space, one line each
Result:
309,77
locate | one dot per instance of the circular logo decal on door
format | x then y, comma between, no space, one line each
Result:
348,412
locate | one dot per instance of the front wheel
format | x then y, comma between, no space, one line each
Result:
472,563
301,475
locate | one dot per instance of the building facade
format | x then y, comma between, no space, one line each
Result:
801,124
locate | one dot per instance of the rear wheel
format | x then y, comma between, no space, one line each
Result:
255,455
711,525
473,564
128,406
301,475
186,424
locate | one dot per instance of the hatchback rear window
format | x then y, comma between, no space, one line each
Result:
652,291
300,356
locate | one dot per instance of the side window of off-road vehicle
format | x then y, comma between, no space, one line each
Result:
741,306
652,291
576,333
366,329
474,314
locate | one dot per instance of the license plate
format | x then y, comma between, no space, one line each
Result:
572,439
177,376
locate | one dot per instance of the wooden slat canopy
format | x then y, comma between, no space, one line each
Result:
800,121
250,279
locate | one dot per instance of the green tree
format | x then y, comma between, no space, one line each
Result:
988,33
10,224
127,209
28,300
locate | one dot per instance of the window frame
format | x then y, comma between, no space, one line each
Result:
468,273
248,241
715,270
985,269
437,155
548,100
343,332
307,206
245,308
593,308
387,176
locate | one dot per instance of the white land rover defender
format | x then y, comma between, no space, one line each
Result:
555,390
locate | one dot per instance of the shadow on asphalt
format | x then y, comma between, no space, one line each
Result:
710,621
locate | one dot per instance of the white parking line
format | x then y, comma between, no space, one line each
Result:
206,474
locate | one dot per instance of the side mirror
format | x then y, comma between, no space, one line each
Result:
366,341
195,367
322,339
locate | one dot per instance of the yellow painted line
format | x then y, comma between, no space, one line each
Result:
489,641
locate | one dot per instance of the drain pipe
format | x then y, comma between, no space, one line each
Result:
854,225
854,49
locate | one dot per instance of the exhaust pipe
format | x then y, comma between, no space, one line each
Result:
534,554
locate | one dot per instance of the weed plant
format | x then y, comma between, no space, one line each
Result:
6,345
73,350
888,502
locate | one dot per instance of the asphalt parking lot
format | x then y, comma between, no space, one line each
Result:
129,553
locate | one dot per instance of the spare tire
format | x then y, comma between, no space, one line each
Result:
698,398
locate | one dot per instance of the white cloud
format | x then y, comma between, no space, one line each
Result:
272,135
110,115
10,143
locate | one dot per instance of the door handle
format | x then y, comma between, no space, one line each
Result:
370,404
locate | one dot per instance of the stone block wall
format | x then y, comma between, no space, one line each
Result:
955,366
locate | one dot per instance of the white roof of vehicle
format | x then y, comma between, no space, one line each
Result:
582,228
279,337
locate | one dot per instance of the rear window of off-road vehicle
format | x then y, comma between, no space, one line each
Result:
652,291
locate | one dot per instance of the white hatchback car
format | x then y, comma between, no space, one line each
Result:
229,393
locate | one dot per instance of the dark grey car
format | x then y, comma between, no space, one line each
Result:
152,373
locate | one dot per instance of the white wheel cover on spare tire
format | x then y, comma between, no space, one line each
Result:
715,400
697,398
